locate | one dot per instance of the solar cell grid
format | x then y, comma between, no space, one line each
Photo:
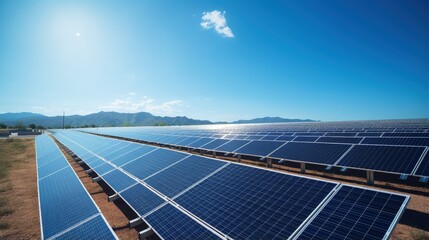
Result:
200,142
321,153
413,141
95,228
171,223
246,202
383,158
354,140
118,180
132,155
141,199
153,162
259,148
214,144
231,145
63,202
355,213
52,167
182,175
103,168
305,139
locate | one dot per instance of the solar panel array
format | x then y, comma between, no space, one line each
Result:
391,146
66,209
186,196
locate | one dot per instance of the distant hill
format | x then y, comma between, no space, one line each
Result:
272,120
17,116
100,119
110,119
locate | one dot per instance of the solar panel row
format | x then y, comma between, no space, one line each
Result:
214,198
398,155
66,209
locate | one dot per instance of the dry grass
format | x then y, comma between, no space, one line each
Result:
18,190
419,235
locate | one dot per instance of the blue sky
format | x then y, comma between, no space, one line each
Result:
217,60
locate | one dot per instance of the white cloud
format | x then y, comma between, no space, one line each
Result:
132,93
145,104
216,20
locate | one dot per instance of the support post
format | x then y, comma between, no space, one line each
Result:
96,179
370,177
269,162
113,198
145,233
238,158
302,167
80,162
89,171
135,222
214,154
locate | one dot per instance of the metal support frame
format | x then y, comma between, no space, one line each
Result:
269,162
89,171
238,158
145,233
135,222
370,177
113,198
302,167
96,179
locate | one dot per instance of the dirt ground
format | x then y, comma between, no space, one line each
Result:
19,214
22,222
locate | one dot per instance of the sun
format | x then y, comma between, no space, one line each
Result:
77,34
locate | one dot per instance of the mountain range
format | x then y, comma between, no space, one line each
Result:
111,119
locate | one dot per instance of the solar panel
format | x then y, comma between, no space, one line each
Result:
407,134
259,148
270,137
423,169
305,139
134,154
285,138
200,142
251,203
63,202
231,145
141,199
177,178
52,167
322,153
153,162
214,144
340,139
94,228
103,168
356,213
369,134
341,134
130,147
118,180
239,201
171,223
173,141
382,158
397,141
253,137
